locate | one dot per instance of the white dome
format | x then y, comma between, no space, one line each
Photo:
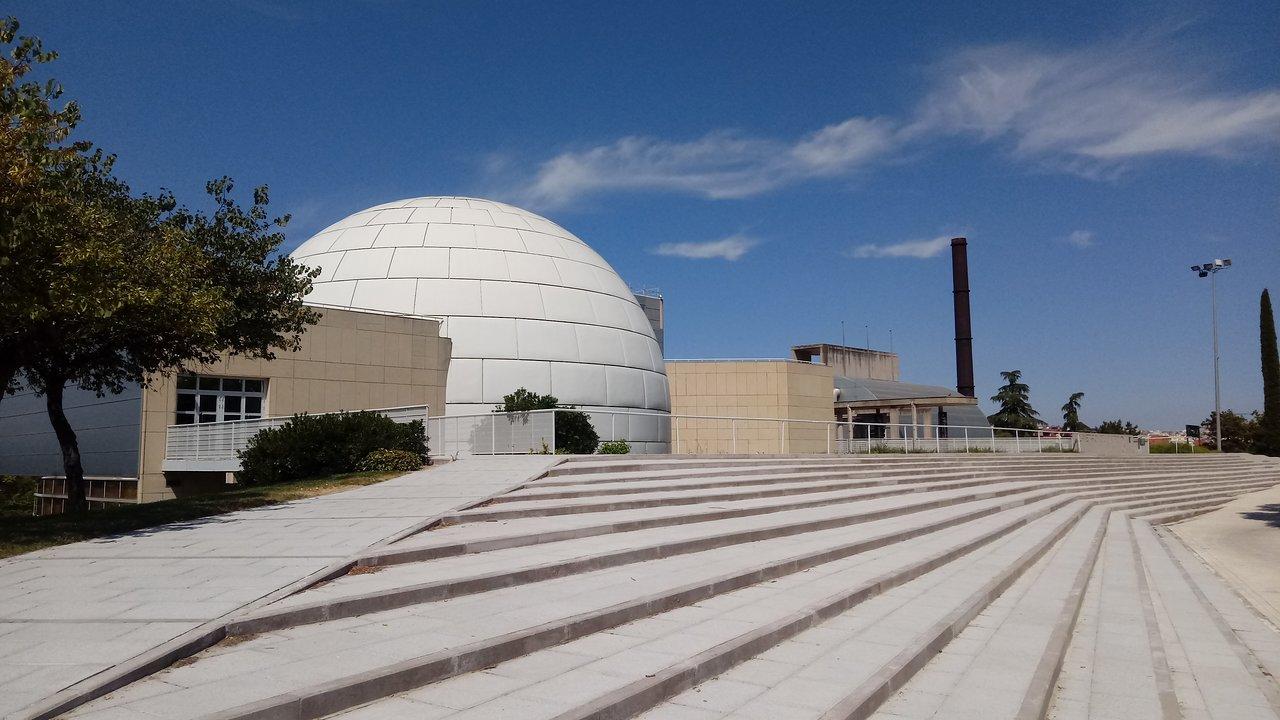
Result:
526,303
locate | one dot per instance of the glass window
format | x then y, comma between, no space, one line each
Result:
205,399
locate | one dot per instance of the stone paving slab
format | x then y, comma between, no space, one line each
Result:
156,585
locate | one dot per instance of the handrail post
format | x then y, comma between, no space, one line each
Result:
733,435
966,441
782,443
677,429
1017,440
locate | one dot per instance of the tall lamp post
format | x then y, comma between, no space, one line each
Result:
1210,270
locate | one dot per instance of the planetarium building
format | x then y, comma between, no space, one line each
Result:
525,302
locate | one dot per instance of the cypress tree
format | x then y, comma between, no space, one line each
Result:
1269,432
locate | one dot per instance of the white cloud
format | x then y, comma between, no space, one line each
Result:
730,248
1086,111
1102,105
910,249
718,165
1081,238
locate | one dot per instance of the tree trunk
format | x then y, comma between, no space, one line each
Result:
76,502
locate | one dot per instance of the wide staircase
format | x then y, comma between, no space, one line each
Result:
784,588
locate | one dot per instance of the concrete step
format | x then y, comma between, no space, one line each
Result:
668,473
684,647
538,491
425,582
364,657
1214,674
445,541
299,660
1248,625
534,508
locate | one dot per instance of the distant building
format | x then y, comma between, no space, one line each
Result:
820,382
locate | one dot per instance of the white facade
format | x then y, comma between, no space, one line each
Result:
526,303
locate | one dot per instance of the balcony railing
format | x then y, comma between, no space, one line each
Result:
213,447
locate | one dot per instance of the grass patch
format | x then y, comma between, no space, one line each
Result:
20,532
1179,449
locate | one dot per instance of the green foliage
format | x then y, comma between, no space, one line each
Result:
1071,414
615,447
1268,432
1014,399
102,288
313,445
1118,427
1239,433
574,433
1178,449
523,400
390,460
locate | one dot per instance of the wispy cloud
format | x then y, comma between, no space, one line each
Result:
730,248
1080,238
1101,105
920,249
719,165
1088,110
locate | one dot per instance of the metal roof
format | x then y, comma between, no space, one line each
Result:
861,389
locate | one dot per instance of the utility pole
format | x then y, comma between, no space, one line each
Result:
1211,270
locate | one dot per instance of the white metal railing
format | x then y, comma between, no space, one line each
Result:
534,431
217,443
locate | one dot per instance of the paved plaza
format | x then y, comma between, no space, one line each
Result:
888,587
73,614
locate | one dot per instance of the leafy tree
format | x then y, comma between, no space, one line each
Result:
1238,432
36,156
1071,414
102,289
1014,399
1118,427
1268,432
574,431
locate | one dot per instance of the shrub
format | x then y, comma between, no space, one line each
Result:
615,447
574,433
389,460
314,445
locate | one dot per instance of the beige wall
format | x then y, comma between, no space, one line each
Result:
850,361
750,389
348,361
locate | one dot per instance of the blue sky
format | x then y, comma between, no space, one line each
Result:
773,169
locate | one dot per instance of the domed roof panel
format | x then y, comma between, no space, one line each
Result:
524,301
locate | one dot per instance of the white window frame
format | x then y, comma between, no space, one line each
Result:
218,398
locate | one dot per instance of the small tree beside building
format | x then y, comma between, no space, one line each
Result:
574,432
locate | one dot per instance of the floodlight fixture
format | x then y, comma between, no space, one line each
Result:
1210,270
